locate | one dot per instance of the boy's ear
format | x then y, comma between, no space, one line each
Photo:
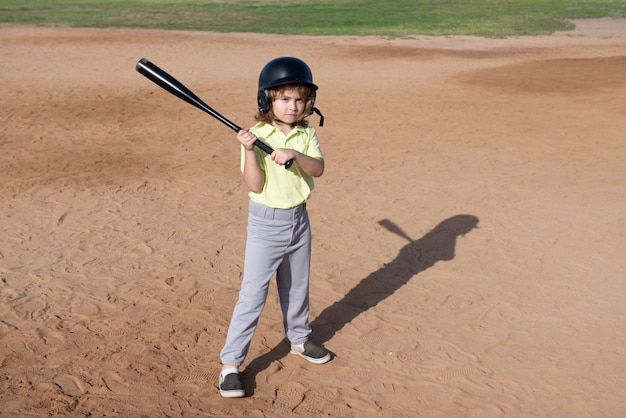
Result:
263,100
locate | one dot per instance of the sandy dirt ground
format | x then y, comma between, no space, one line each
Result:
469,231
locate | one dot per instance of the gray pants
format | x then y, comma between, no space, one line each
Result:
279,241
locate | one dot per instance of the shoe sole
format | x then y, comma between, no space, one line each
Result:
232,393
313,360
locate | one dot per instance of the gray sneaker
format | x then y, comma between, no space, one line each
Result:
314,353
231,387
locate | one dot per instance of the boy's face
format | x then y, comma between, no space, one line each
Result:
288,106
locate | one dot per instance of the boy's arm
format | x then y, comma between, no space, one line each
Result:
253,176
313,166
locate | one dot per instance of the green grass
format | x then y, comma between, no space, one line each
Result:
488,18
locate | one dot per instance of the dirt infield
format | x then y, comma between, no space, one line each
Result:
469,231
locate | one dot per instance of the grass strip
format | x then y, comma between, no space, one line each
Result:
396,18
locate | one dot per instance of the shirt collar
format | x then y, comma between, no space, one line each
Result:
268,129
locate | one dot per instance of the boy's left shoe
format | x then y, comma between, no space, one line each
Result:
312,352
230,386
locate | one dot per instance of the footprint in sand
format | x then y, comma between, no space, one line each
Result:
315,402
70,385
452,374
81,306
372,338
418,353
289,396
362,375
197,377
115,383
202,297
454,303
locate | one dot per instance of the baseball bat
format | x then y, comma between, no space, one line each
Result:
169,83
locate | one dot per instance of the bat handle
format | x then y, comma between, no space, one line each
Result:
270,150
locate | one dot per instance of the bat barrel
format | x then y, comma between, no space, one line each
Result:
178,89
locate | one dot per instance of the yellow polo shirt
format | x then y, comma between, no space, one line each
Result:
284,189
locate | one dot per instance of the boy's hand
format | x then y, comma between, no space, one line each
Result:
282,155
246,138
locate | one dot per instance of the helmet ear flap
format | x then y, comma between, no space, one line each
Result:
263,100
313,95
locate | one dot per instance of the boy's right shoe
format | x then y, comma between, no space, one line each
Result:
312,352
230,386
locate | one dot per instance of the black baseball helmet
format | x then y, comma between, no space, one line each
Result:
281,71
285,70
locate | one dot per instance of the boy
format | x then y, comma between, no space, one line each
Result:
279,234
